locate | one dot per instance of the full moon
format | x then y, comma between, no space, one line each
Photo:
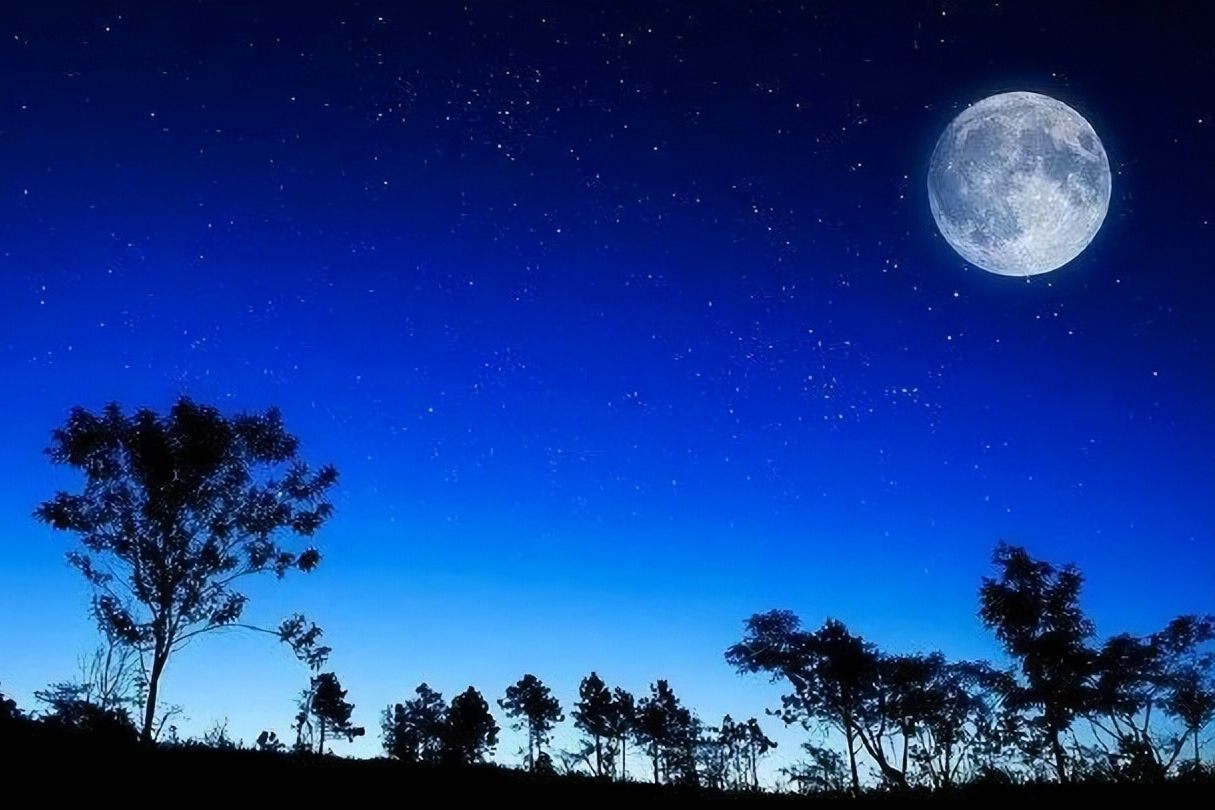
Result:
1019,184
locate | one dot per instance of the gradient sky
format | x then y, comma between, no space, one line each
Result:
620,324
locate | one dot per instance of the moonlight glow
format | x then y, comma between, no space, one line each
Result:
1019,184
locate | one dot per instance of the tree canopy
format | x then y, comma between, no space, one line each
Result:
1034,610
326,701
175,509
533,703
471,731
414,731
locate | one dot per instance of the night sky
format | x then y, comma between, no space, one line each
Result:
620,324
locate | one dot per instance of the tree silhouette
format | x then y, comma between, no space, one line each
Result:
836,678
753,745
1034,609
664,725
625,723
413,731
327,703
597,714
471,731
946,713
727,756
172,515
1192,700
1133,677
1189,674
532,703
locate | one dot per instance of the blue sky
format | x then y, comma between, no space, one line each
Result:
620,324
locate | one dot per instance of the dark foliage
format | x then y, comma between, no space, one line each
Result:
471,731
172,514
533,703
601,716
666,728
414,731
327,704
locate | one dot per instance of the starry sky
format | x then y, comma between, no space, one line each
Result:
620,322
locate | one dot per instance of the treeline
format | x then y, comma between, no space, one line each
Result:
177,508
1128,709
671,744
1070,709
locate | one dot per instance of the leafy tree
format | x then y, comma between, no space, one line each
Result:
172,514
753,745
738,749
693,748
471,731
1192,700
947,712
664,725
836,679
623,725
597,714
1189,673
1034,609
714,755
327,703
906,682
532,702
413,731
1134,677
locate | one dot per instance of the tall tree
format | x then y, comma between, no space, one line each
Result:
176,509
413,731
624,724
664,725
471,731
596,713
1034,609
533,705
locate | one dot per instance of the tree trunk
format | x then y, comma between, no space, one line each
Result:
159,658
876,751
624,761
1060,762
654,754
856,779
1196,762
598,756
